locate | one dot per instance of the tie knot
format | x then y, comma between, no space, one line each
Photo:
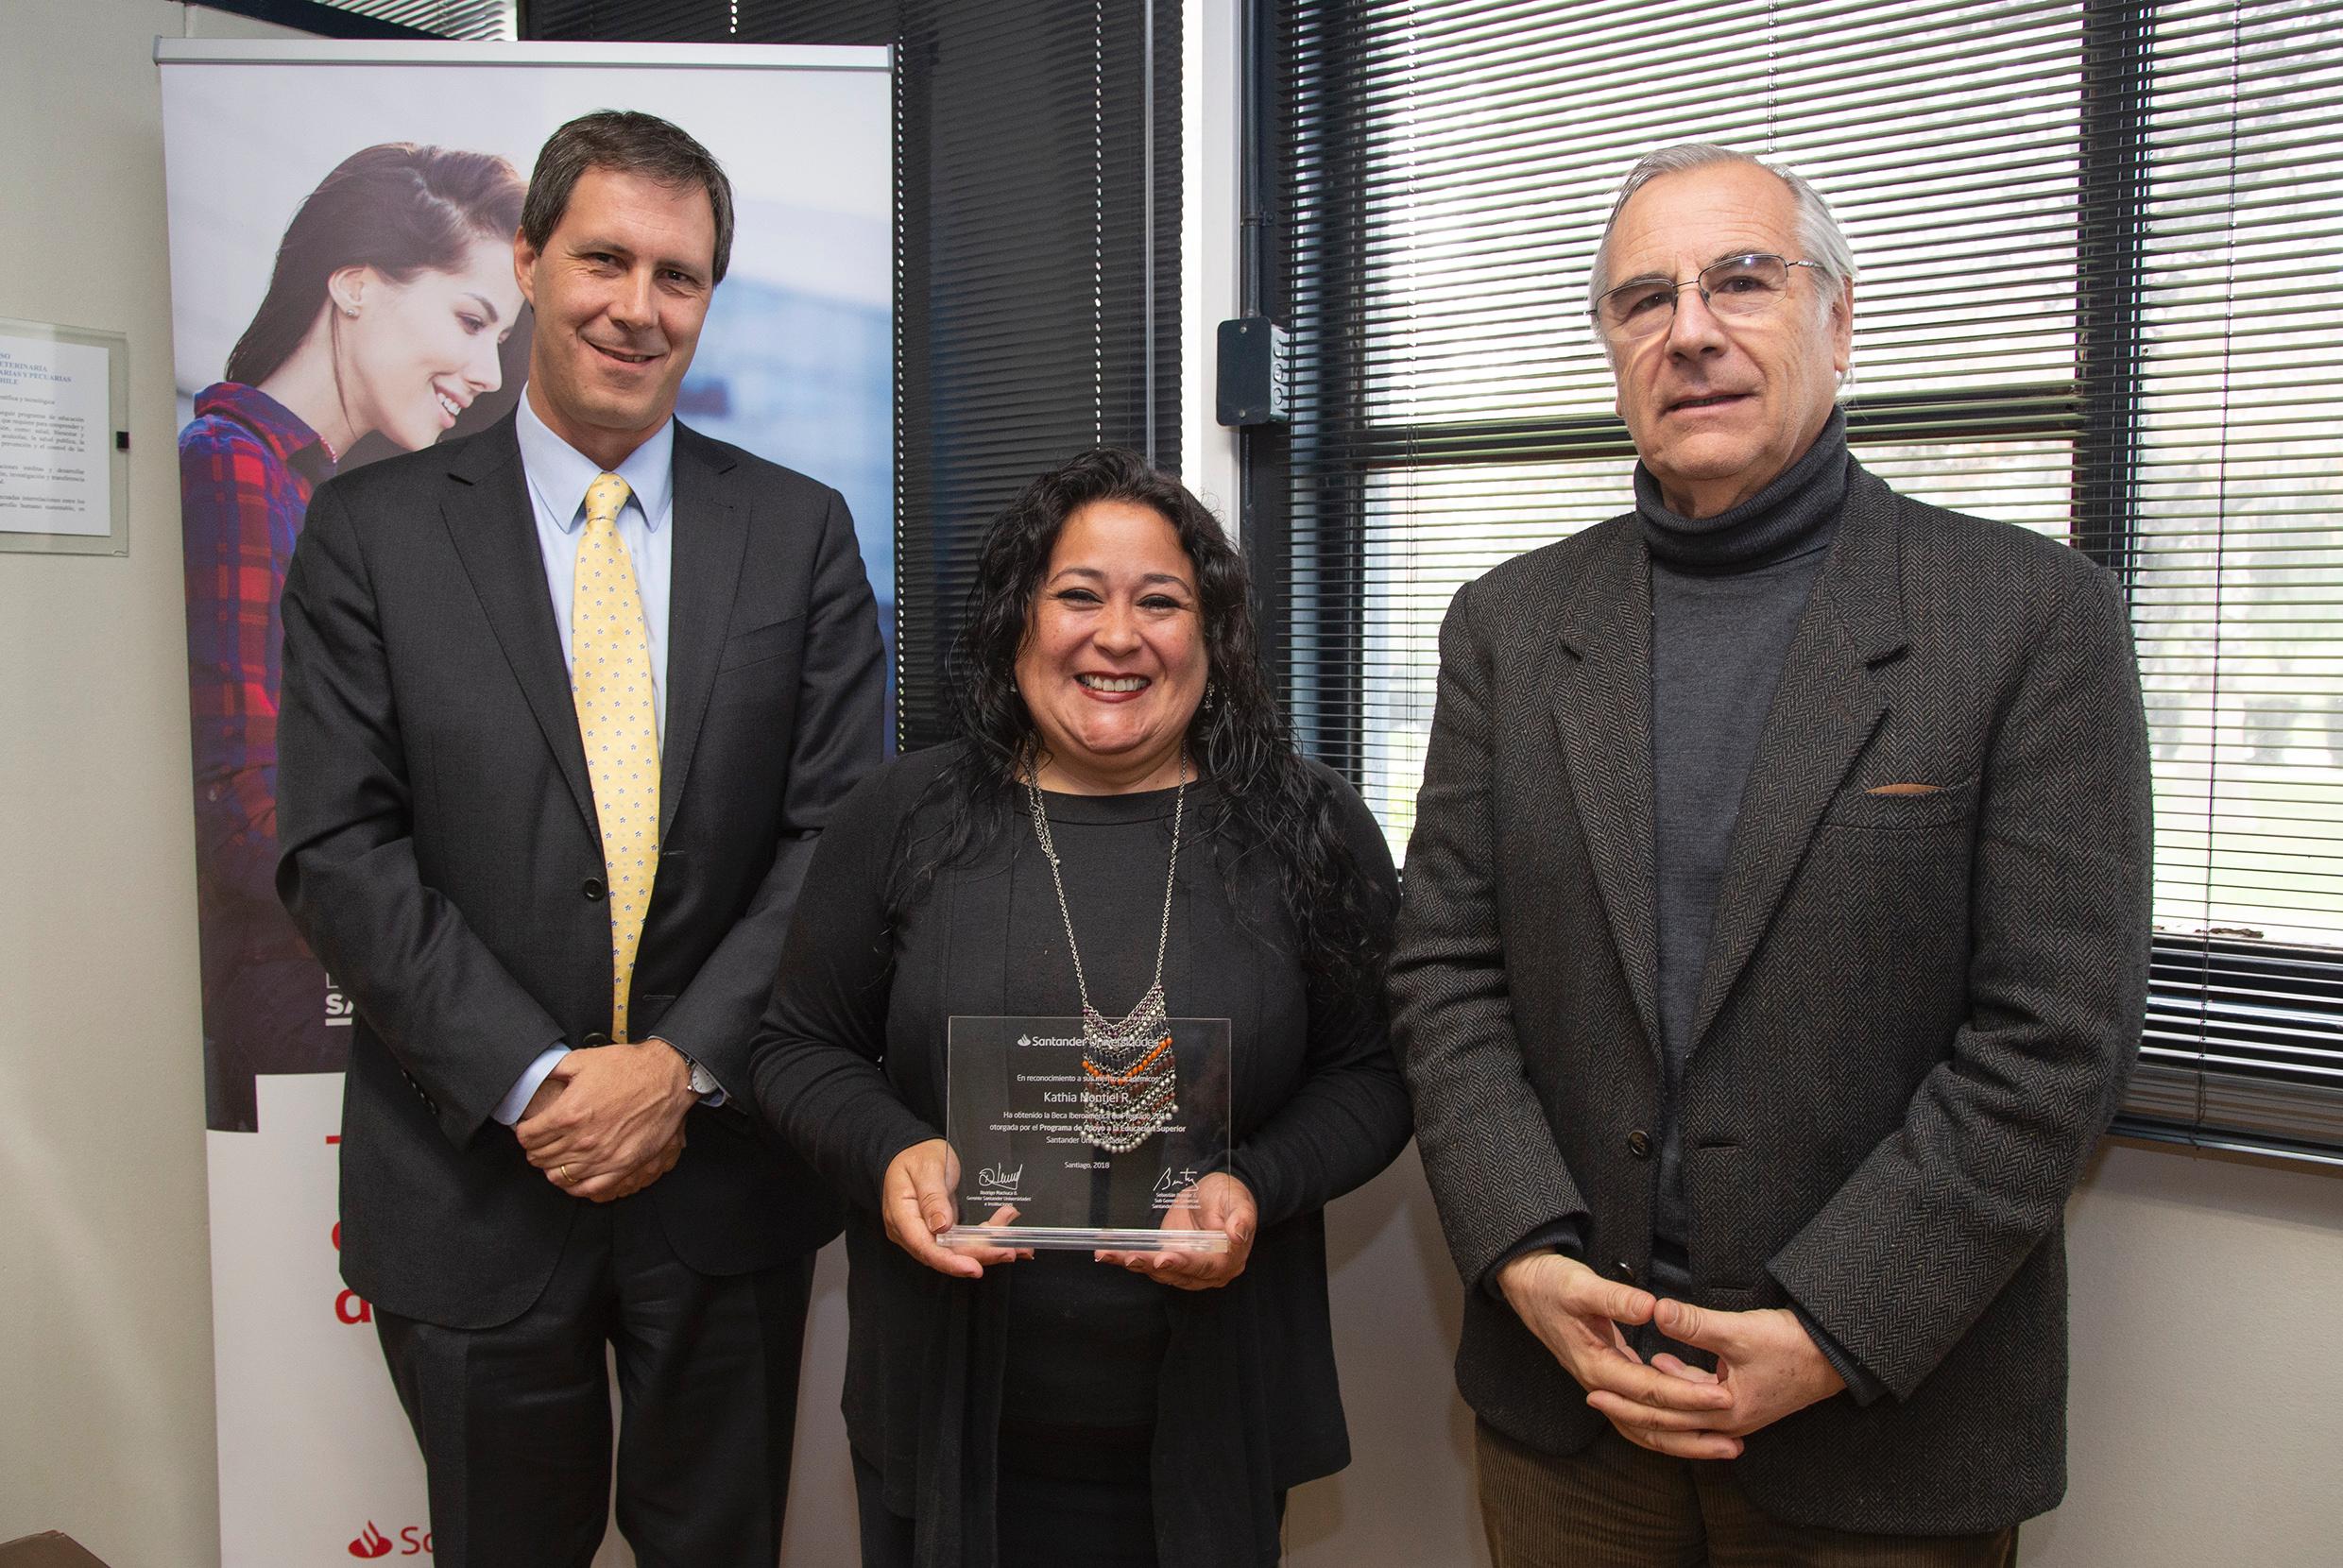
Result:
603,497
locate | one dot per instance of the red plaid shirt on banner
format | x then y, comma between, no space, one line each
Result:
246,468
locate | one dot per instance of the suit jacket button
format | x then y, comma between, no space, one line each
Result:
592,1040
1626,1271
1639,1144
594,889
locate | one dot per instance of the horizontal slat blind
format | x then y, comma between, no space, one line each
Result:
2239,564
442,18
2097,252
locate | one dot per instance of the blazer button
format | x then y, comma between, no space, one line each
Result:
1639,1144
594,889
592,1040
1626,1271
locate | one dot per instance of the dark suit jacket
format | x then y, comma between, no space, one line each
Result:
441,852
1917,1016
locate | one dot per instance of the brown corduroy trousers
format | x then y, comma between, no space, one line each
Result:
1614,1505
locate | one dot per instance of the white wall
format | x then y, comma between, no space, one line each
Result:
105,1299
2207,1418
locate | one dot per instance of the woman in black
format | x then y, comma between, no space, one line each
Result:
1075,1408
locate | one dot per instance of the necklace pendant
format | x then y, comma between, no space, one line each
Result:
1129,1087
1129,1077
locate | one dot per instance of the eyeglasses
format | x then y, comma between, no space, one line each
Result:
1737,286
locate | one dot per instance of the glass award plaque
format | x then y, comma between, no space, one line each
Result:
1058,1145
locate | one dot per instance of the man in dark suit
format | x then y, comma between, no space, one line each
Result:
1773,953
565,706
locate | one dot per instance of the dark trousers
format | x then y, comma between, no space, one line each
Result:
1612,1505
1058,1506
514,1421
1062,1501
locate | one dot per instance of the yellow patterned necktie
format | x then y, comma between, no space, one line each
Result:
611,680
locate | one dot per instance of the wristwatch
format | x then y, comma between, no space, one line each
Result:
704,1084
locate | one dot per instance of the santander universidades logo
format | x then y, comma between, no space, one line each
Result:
411,1541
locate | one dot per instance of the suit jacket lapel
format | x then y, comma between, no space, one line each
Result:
1824,711
493,526
712,539
1602,712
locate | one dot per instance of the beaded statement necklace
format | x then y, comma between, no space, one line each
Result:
1129,1080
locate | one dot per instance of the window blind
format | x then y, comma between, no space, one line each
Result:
442,18
1037,219
381,18
2097,249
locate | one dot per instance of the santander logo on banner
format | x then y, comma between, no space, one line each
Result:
333,1475
413,1541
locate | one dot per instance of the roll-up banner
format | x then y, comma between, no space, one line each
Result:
291,162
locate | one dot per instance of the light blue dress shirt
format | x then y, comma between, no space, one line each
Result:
557,475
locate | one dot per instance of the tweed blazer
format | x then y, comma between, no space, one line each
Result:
439,847
1917,1016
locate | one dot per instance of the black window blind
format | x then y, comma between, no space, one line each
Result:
1038,221
486,19
2098,254
382,19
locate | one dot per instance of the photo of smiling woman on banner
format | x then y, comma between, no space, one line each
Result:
390,307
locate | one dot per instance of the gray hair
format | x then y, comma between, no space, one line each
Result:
624,141
1819,233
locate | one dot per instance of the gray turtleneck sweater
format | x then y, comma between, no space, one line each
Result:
1726,595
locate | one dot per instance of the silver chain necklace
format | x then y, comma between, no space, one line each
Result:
1130,1080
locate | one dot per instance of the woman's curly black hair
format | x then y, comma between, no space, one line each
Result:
1271,802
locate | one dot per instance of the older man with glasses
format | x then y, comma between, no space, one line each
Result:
1774,950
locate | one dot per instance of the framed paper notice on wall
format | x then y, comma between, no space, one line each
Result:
64,439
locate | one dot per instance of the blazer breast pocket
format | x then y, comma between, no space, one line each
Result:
759,644
1890,806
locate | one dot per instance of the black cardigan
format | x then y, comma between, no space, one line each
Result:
849,1065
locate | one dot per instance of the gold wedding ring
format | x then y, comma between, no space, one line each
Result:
561,1175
